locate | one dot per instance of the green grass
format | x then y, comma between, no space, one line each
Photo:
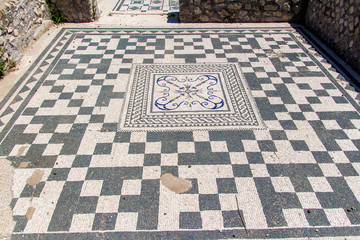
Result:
2,67
56,15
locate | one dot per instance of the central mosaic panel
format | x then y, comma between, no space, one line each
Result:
190,92
166,97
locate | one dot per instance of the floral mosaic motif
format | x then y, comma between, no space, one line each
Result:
188,92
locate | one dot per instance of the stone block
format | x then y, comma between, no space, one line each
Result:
270,7
197,11
235,6
224,14
204,18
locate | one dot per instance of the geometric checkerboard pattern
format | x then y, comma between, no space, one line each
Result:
147,6
297,177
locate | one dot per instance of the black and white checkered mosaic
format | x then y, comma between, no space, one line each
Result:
297,176
147,6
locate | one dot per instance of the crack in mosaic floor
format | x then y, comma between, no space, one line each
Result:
298,174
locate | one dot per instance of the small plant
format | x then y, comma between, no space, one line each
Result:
56,15
2,62
2,67
94,9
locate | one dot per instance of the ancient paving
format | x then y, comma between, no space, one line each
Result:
146,6
266,131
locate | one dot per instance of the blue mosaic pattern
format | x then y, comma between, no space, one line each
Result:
299,177
188,92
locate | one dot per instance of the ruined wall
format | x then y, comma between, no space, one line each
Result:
78,10
242,10
20,22
336,23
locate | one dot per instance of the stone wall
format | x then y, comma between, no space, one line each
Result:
20,22
336,23
78,10
242,10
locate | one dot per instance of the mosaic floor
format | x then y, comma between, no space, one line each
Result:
265,130
147,6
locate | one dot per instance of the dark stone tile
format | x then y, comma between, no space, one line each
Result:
232,219
97,118
278,135
48,103
59,174
284,93
209,202
136,148
190,220
75,102
353,156
321,93
49,83
231,136
201,147
306,108
86,110
20,224
82,161
316,217
322,157
149,208
103,148
288,125
30,111
104,221
254,157
203,158
297,116
273,203
299,145
226,185
340,100
356,143
97,82
86,205
170,169
65,207
30,191
57,89
267,146
109,127
341,197
13,203
328,85
122,137
347,169
66,95
328,137
152,159
241,170
148,61
313,100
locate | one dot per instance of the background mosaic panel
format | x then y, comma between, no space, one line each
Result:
147,6
299,177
